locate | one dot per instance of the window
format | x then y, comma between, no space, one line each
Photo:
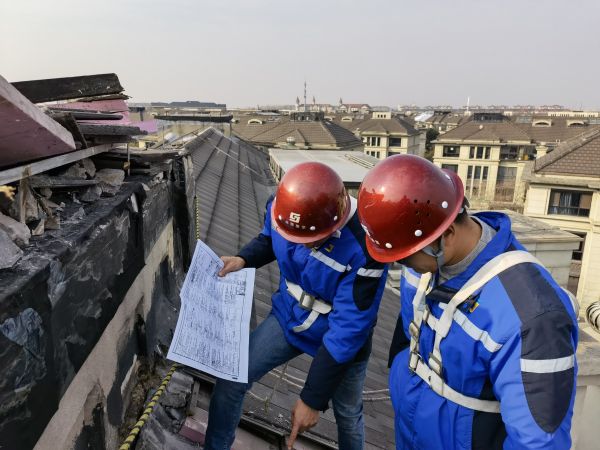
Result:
510,152
476,184
373,141
578,254
452,167
395,142
505,184
479,152
570,203
451,151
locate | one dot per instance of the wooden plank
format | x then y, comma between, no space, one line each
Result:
38,91
109,130
105,106
24,171
26,132
68,121
41,181
89,115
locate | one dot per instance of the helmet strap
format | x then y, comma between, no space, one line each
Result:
438,255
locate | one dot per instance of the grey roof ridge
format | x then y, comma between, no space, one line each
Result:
407,126
330,127
329,132
301,134
565,148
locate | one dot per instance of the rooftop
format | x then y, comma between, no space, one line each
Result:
233,181
307,134
577,156
352,166
522,128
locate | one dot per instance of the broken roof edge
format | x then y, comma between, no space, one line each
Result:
33,168
67,88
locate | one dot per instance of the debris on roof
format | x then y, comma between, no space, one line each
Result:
27,133
50,153
86,111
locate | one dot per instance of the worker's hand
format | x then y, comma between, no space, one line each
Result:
232,264
303,418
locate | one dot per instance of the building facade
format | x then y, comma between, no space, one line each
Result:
384,135
490,153
564,191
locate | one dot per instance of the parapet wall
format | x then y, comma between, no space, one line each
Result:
82,306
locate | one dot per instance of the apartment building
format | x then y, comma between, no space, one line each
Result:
564,191
384,134
490,152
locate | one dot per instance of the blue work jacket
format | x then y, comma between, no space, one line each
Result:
514,341
340,272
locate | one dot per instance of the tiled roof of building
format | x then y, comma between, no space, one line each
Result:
577,156
362,124
312,133
449,118
520,128
233,183
561,129
486,131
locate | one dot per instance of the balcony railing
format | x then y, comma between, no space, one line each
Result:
569,211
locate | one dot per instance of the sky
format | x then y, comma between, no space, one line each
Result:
249,52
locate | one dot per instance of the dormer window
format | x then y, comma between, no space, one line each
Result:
542,123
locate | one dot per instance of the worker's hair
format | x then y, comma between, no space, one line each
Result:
463,215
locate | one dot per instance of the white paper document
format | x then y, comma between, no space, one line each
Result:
214,320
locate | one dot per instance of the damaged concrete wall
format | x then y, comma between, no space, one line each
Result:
80,307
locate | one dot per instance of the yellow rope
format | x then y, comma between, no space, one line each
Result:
130,439
197,221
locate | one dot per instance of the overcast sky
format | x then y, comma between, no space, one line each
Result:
248,52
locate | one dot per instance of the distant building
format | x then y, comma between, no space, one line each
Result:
383,134
489,153
564,191
353,107
441,120
192,104
300,130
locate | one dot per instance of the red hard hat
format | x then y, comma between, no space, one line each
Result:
310,204
405,203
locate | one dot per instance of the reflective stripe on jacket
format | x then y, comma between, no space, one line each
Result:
514,341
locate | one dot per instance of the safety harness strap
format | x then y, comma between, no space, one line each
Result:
439,386
308,302
490,270
431,371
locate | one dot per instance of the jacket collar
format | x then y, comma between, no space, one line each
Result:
503,241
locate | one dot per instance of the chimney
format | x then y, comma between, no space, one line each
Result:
541,150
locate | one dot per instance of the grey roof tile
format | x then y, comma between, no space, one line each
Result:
306,133
577,156
233,182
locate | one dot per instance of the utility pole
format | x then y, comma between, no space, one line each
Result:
305,96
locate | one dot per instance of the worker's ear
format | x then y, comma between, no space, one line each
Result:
450,235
